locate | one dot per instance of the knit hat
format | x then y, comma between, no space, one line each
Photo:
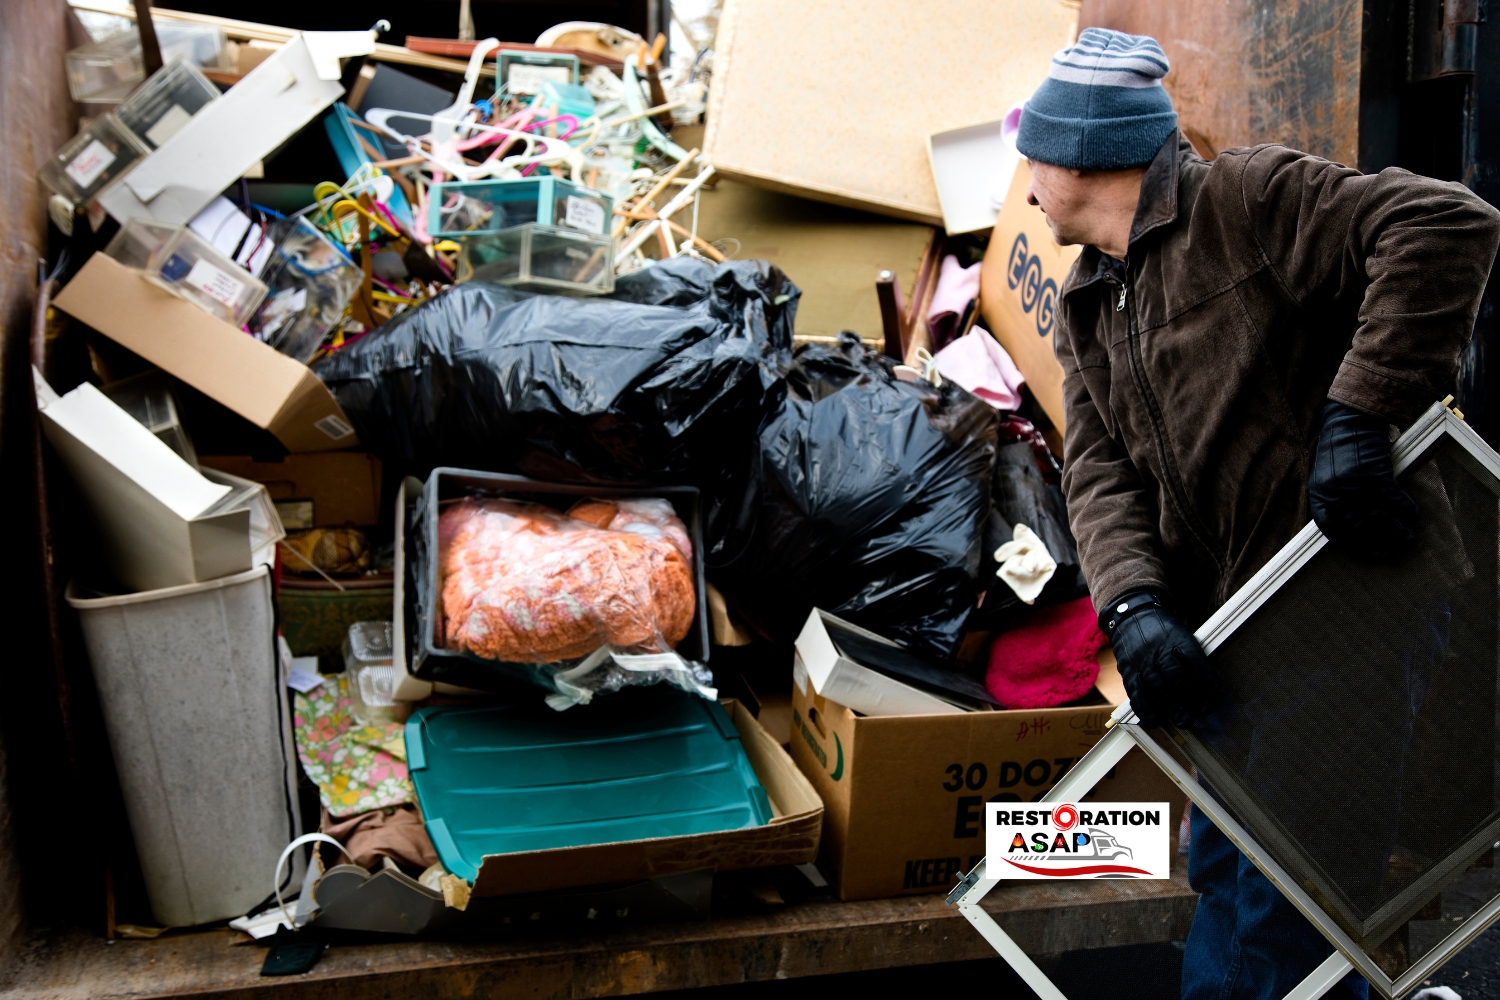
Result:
1102,106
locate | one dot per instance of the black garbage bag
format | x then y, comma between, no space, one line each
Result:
868,500
1027,489
653,382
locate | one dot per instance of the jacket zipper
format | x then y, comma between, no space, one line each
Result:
1169,469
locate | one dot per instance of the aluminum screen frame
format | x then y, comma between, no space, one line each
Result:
1351,954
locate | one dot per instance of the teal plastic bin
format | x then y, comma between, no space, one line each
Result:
501,779
457,209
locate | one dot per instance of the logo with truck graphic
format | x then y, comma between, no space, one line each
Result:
1066,841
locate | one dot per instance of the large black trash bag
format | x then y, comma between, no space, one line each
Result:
650,383
1027,489
868,500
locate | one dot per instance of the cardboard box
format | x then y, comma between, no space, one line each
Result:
332,490
905,794
835,100
254,380
790,838
1019,286
161,523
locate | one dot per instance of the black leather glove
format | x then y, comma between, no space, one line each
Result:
1166,672
1352,489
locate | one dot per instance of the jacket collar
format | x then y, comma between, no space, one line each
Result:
1157,207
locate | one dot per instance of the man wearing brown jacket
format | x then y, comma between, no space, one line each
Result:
1237,337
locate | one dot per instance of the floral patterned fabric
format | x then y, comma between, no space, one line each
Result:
356,767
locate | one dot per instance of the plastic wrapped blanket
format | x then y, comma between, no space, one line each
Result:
523,583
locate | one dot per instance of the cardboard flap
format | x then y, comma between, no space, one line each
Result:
251,378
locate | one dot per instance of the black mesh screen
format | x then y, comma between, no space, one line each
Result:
1357,742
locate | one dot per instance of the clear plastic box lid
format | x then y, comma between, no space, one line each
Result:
166,102
108,70
137,240
190,266
368,644
99,155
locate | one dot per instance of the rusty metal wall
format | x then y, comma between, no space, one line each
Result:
1246,72
36,116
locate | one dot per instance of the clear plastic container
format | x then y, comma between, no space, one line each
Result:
166,102
265,524
150,399
108,70
541,259
311,282
369,665
190,266
136,241
98,156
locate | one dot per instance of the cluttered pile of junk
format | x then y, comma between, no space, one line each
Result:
506,552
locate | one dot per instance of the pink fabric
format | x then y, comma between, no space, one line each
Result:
977,362
956,286
1047,660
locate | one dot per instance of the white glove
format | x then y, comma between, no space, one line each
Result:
1025,564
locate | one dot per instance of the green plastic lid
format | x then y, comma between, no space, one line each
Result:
643,763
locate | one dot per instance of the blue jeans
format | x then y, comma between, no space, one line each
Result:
1248,941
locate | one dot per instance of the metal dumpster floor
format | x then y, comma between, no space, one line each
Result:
819,936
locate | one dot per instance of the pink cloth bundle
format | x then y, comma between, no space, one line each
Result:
1048,660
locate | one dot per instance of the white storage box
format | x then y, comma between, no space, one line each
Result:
195,711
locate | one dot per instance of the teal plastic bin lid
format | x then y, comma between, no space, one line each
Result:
637,764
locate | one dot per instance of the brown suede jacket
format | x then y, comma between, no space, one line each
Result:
1255,287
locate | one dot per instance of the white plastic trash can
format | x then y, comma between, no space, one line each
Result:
199,725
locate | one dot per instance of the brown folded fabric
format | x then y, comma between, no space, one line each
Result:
395,832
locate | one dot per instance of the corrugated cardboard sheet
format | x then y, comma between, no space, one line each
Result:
835,100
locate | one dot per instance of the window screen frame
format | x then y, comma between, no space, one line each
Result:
1125,733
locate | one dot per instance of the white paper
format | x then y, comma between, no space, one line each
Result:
334,427
86,167
303,674
524,78
168,125
215,282
585,214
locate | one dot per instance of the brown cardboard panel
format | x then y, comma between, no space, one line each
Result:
832,253
1023,273
254,380
905,794
790,838
835,100
344,486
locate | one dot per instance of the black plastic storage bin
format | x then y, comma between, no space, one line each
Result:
417,564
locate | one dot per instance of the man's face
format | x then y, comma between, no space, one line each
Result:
1065,197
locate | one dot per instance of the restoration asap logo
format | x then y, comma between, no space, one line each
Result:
1096,840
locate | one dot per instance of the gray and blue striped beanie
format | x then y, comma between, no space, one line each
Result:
1102,106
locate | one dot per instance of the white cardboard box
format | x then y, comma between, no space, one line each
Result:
838,678
158,517
229,136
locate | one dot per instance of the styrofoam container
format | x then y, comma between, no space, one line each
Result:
194,706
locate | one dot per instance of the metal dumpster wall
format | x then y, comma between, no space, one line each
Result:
1245,73
36,116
